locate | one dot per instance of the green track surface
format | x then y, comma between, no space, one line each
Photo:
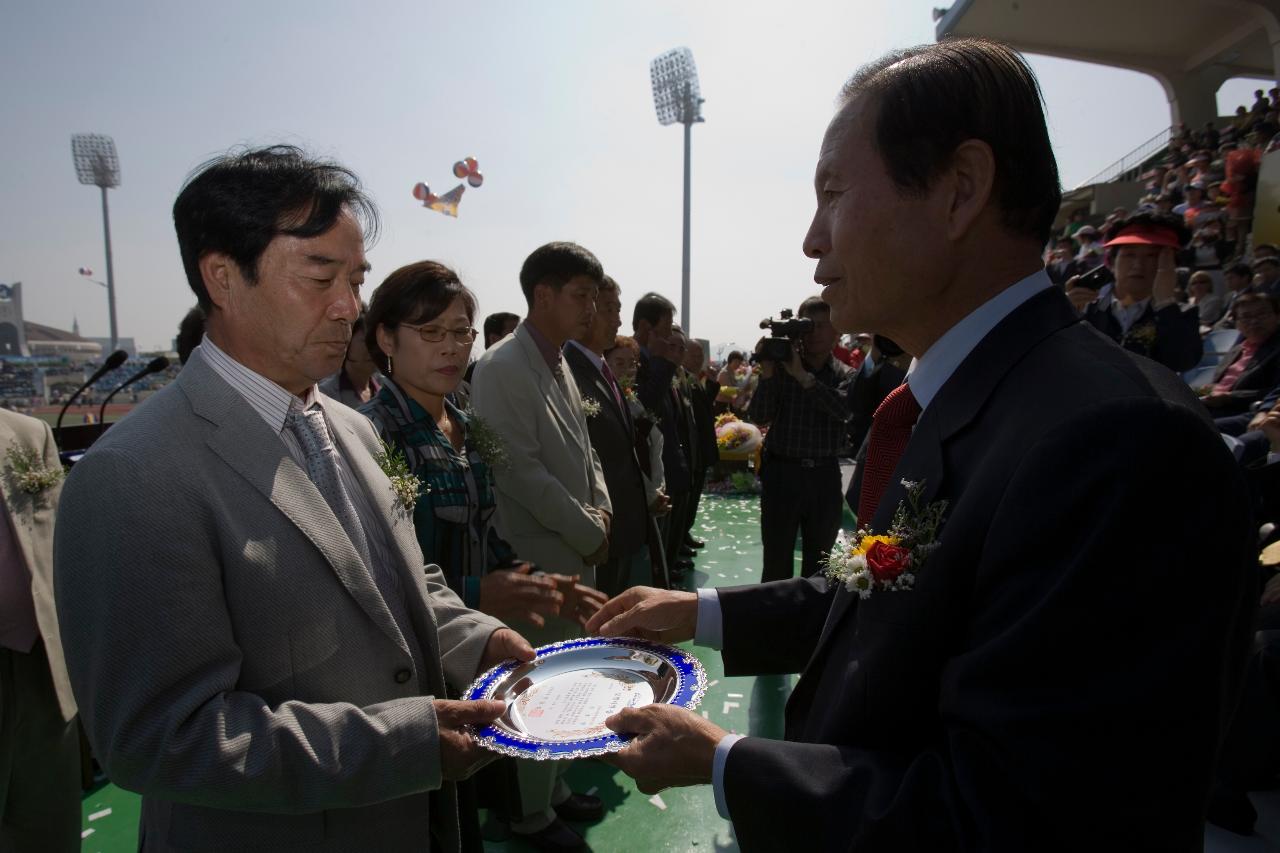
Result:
679,819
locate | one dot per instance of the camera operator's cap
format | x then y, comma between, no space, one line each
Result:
1145,234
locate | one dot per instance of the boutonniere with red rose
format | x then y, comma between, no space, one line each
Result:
868,561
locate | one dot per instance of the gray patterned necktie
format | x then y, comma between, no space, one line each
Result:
322,467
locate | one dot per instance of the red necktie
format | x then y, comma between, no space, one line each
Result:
890,432
613,385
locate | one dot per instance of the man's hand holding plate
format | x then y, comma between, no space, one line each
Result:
672,746
460,753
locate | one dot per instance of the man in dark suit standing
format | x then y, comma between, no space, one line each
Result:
702,390
1059,674
660,355
613,437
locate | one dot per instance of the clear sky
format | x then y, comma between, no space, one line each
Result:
552,97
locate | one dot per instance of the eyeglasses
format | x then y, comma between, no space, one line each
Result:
435,334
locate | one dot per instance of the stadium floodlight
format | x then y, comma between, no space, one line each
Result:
678,99
97,165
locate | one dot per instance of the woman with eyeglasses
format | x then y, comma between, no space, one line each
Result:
419,332
419,329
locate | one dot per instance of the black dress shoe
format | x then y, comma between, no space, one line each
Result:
684,565
556,836
690,542
686,551
581,808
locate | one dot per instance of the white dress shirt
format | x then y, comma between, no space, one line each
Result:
927,376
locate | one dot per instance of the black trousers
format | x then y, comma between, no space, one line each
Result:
802,499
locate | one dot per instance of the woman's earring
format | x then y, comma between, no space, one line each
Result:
388,365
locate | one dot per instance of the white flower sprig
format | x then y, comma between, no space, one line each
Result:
406,486
590,407
486,441
28,472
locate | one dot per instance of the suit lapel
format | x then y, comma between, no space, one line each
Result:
561,406
957,403
583,368
248,446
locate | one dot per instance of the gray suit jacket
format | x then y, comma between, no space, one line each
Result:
232,656
32,517
551,490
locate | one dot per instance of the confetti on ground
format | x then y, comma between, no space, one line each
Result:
713,682
719,574
735,695
102,813
728,705
86,833
656,799
705,716
593,790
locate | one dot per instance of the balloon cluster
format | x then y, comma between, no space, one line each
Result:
468,168
447,204
85,271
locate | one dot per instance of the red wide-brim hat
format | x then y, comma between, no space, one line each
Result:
1146,235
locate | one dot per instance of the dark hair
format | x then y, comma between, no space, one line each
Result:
1256,296
1242,270
813,304
238,203
607,284
554,264
1153,219
413,294
651,308
929,99
495,323
735,356
190,333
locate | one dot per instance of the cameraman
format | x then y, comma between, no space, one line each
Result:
804,402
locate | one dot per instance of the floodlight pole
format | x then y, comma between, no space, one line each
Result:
111,281
689,112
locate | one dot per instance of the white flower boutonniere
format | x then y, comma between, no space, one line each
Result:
406,486
888,562
590,407
483,439
28,474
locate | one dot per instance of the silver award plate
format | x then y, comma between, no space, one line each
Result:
558,702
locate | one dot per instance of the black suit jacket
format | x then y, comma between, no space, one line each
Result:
1060,675
1170,336
701,395
653,387
1262,374
613,437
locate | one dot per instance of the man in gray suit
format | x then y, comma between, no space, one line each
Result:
255,641
39,744
553,504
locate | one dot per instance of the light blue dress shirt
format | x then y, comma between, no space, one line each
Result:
926,377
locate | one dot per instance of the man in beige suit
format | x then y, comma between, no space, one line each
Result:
255,641
39,744
553,505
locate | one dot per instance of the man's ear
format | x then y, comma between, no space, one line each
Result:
219,272
972,175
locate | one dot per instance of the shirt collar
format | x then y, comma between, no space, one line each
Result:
549,352
272,402
931,371
598,361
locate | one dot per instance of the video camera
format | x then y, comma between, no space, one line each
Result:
783,333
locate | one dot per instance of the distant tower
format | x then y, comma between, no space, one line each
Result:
13,332
75,325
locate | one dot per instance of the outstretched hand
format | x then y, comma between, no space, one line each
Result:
667,616
505,644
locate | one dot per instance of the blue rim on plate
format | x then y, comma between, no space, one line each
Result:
690,686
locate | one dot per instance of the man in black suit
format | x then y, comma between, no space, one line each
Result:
1252,368
1059,676
702,391
660,355
613,437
